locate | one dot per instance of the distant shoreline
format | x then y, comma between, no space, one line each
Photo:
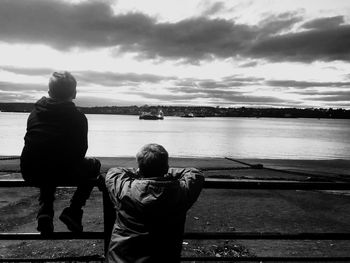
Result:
201,111
277,117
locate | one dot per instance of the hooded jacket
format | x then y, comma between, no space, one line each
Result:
56,137
150,213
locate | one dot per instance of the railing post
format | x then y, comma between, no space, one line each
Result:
108,218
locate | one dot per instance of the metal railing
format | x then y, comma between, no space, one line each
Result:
109,217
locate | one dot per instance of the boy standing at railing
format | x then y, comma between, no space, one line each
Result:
151,205
54,153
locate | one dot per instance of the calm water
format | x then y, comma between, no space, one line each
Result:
121,135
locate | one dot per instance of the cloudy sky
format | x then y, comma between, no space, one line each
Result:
218,53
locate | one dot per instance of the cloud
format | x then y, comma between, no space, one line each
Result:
332,98
196,39
252,99
243,79
212,84
94,77
15,97
116,79
327,45
191,85
227,83
92,24
340,93
249,64
305,84
321,95
202,92
93,101
55,23
168,97
324,23
27,71
213,9
21,92
20,87
220,97
276,23
227,91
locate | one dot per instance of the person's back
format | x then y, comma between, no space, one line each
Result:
56,137
54,152
151,211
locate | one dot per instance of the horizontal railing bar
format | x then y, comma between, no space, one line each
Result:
22,183
233,184
266,236
268,259
272,184
53,236
188,235
231,259
93,258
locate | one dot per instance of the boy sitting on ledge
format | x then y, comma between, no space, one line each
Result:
54,153
151,205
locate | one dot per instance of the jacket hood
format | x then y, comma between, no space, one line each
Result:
49,106
155,192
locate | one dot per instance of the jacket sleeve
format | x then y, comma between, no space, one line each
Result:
191,182
116,181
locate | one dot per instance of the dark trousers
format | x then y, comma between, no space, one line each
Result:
84,175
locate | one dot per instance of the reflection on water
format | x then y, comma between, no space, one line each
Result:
120,135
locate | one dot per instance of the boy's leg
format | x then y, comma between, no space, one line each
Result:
46,199
38,179
46,211
87,173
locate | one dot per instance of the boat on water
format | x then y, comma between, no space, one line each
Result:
151,116
187,115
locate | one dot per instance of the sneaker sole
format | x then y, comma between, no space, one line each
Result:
71,225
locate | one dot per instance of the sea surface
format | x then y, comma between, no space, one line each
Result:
272,138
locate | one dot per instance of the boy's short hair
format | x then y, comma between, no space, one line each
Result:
152,160
62,85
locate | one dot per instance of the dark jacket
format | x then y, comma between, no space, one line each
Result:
150,213
56,137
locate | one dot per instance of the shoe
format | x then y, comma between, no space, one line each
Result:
72,219
45,224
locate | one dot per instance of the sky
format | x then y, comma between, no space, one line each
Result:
263,53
